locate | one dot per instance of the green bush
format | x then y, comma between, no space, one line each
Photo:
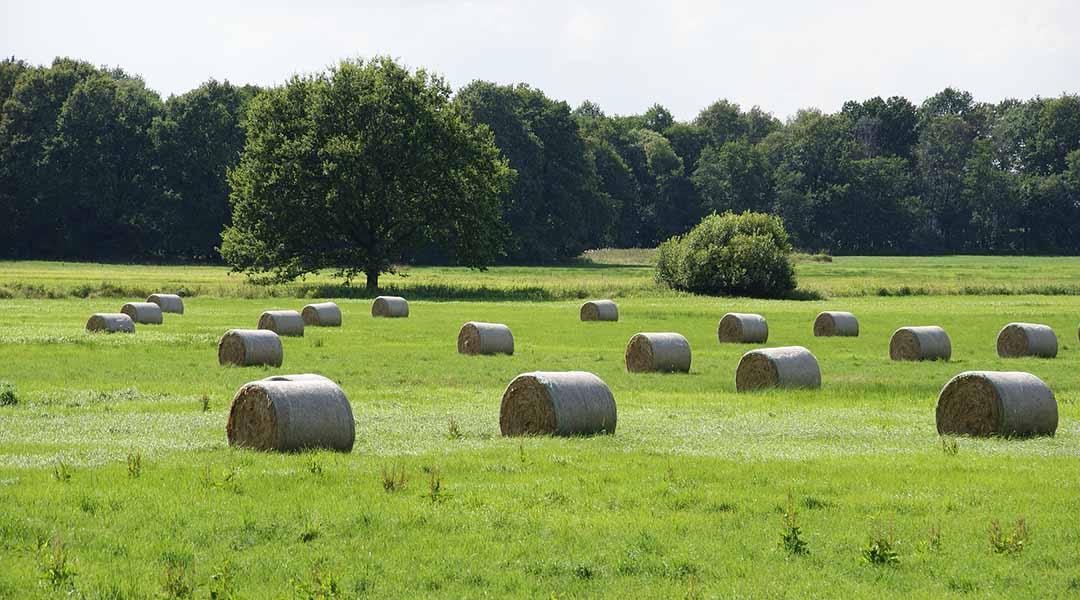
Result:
8,395
746,254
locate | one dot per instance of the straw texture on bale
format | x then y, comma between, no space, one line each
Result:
291,413
600,310
1007,403
322,314
646,352
742,328
1027,339
920,343
110,323
390,306
248,347
836,323
787,367
143,312
485,338
170,303
557,403
282,322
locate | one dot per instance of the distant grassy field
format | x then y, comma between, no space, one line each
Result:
607,273
685,500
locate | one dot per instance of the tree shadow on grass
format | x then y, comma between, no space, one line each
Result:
442,292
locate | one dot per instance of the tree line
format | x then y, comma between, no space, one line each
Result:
95,165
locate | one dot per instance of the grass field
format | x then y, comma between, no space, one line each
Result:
116,480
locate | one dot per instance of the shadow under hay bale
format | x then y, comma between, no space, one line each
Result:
169,303
282,322
485,338
557,403
110,323
836,324
785,367
665,352
144,313
291,413
250,347
322,314
742,328
920,343
1027,339
1005,403
390,306
599,310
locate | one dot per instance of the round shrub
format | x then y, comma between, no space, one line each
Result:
746,254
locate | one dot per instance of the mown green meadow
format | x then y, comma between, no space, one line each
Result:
116,480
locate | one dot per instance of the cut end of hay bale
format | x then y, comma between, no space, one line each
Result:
986,403
253,420
557,403
144,313
169,303
322,314
648,352
742,328
1026,339
282,322
485,338
110,323
248,347
599,310
836,324
788,367
920,343
390,306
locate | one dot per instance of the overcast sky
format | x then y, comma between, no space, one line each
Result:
624,55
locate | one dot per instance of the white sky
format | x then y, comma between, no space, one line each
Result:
624,55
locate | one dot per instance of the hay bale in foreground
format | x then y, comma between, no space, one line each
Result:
322,314
485,338
110,323
742,328
836,323
1008,403
557,403
920,343
600,310
289,413
282,322
390,306
143,312
786,367
249,347
1027,339
647,352
169,303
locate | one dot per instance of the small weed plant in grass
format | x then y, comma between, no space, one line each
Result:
9,395
1011,542
880,549
55,570
394,479
134,465
950,445
791,540
61,472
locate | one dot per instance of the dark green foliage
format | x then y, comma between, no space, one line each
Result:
9,394
745,254
356,170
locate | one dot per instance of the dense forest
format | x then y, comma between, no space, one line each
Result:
94,165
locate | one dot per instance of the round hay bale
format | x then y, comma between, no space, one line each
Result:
1008,403
786,367
485,338
836,323
1027,339
282,322
647,352
110,323
600,310
290,413
390,306
742,328
920,343
143,312
557,403
322,314
248,347
169,303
